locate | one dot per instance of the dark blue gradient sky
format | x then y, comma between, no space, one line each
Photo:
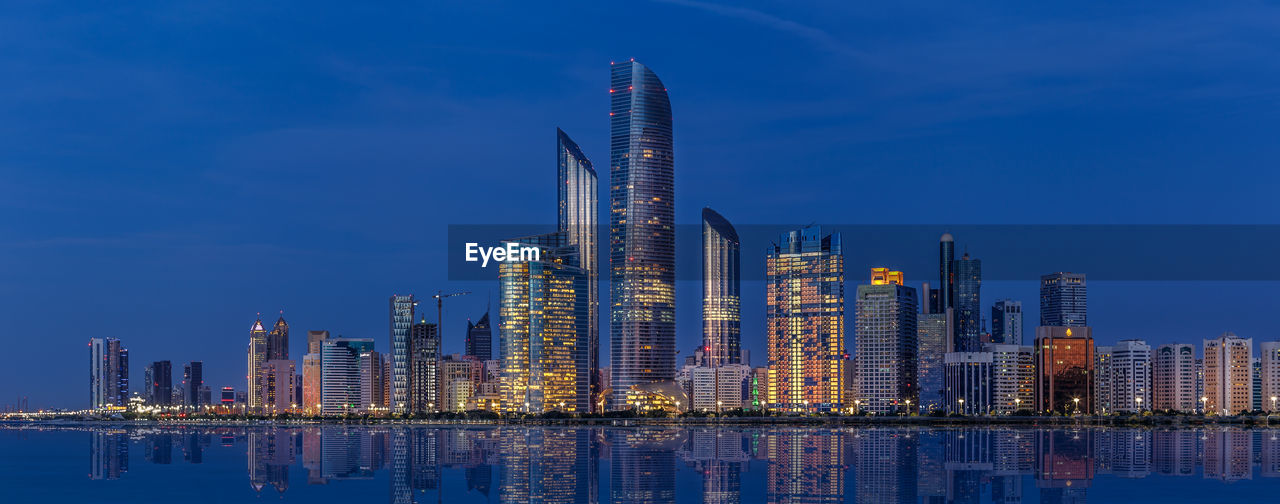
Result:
168,169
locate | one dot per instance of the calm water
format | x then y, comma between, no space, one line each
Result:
641,464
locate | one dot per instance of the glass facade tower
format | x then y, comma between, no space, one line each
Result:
721,291
577,207
1006,322
1063,300
968,307
642,302
1064,370
804,321
887,343
401,323
257,356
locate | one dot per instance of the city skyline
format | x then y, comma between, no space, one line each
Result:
159,224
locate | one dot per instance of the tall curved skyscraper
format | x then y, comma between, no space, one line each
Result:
721,290
642,260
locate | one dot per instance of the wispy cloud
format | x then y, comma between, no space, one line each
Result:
817,36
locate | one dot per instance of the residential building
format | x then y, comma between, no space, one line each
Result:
1228,374
1013,375
1269,355
424,368
1131,383
887,343
804,321
1174,379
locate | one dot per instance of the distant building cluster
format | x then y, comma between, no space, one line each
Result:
912,350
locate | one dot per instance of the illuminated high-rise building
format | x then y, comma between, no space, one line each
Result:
946,274
887,343
968,304
424,367
1063,300
480,338
721,291
315,341
1269,356
278,340
256,356
804,321
1102,384
401,324
311,372
933,338
642,260
1013,372
1228,374
1131,383
1006,322
1174,379
544,336
277,381
108,373
371,373
969,383
192,380
1064,370
578,222
162,382
341,391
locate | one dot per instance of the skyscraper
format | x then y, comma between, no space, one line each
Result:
424,367
1174,381
371,392
1064,370
968,304
1228,374
257,355
480,338
401,323
721,291
1131,383
804,321
1006,322
1013,373
341,392
887,344
1102,384
946,273
311,379
162,384
969,382
642,318
933,343
544,335
278,379
108,373
1269,355
1063,300
577,206
192,380
278,340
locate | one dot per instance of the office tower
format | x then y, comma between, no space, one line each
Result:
577,207
1013,372
192,380
1102,384
1063,300
371,382
278,340
424,367
257,356
969,382
341,392
642,298
1257,385
1174,379
887,343
720,388
276,386
804,321
544,335
480,338
721,290
1006,322
933,344
1228,374
968,304
1131,383
460,377
162,383
108,373
311,376
1269,355
946,273
315,341
228,397
401,325
1064,370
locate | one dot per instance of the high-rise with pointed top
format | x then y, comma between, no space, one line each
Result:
721,290
577,206
642,301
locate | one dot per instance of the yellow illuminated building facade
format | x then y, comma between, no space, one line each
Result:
805,322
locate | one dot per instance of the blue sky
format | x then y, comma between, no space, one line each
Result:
172,168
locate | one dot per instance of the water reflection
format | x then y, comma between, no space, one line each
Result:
707,464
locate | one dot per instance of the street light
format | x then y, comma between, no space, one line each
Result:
961,405
718,405
1139,399
1077,401
1204,405
1017,404
806,407
1273,403
908,407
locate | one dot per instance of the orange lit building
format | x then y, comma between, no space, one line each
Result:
1064,370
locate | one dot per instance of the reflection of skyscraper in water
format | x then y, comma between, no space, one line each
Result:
719,455
1131,453
108,454
643,466
312,456
193,445
270,454
545,465
885,467
341,453
401,488
424,463
1175,452
1064,465
1270,447
1012,457
159,449
1228,454
931,485
968,459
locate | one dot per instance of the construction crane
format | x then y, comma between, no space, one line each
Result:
439,296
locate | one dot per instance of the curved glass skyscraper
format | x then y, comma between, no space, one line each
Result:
642,265
577,207
721,290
